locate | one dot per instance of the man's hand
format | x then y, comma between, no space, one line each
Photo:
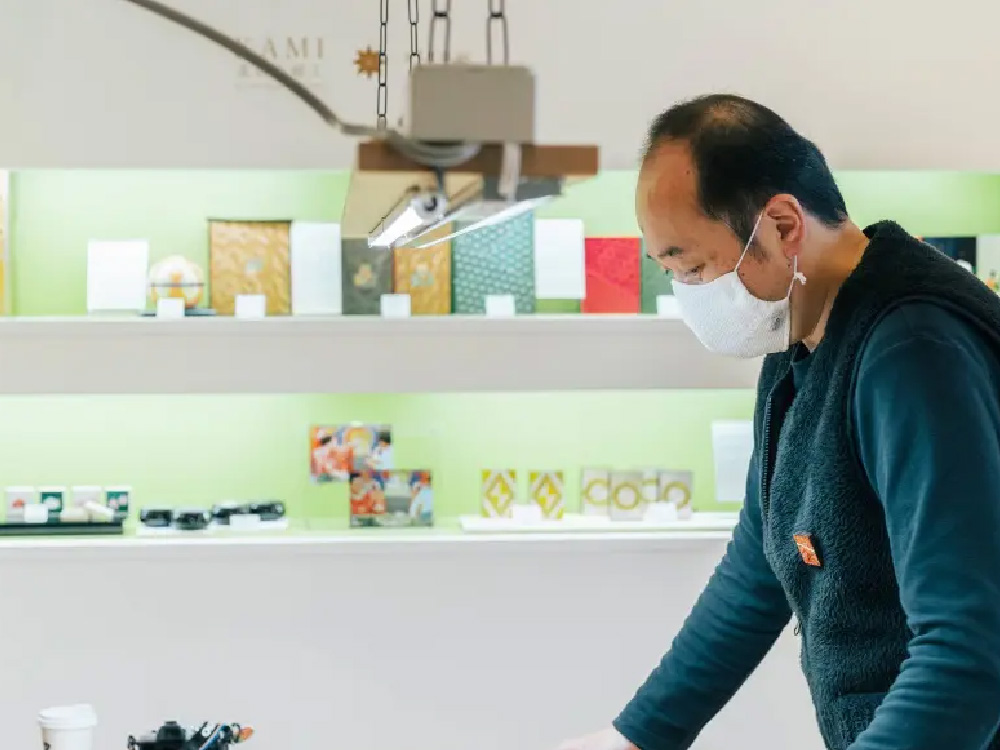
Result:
607,739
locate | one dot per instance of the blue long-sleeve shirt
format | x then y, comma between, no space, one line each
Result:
926,411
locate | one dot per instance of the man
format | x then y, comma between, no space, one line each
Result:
872,511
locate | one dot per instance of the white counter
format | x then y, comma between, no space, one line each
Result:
366,641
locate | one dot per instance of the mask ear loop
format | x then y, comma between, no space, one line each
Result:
797,275
746,247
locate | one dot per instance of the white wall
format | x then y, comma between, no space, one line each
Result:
426,646
878,83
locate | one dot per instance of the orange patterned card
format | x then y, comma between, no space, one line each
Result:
250,257
424,273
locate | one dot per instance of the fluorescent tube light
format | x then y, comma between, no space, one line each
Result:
410,215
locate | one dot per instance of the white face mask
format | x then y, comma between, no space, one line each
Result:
728,319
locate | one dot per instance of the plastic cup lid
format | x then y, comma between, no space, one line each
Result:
81,716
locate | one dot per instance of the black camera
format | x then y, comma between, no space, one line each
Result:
172,736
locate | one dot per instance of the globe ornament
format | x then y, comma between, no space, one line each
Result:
176,277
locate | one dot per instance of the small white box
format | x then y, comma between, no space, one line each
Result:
37,513
527,514
170,308
667,306
500,306
395,305
251,306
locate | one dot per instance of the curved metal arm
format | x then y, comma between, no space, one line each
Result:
433,155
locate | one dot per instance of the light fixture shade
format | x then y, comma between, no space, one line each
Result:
478,205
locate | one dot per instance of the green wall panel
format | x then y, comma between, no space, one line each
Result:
197,450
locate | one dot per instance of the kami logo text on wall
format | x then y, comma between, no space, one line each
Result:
302,56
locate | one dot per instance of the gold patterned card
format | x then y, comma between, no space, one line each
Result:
547,492
595,491
498,493
675,487
425,274
250,257
627,501
650,485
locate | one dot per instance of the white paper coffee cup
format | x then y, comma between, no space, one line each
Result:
68,727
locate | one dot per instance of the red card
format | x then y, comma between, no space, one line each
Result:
613,276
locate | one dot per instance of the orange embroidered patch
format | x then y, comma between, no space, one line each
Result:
807,550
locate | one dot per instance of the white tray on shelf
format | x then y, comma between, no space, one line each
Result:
576,523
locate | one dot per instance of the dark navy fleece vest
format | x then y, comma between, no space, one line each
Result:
852,625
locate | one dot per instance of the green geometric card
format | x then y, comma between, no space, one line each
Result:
654,283
497,259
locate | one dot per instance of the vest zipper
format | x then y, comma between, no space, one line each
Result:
765,467
769,441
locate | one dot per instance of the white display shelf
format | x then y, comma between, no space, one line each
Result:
436,543
358,355
575,523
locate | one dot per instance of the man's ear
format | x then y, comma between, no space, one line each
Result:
789,220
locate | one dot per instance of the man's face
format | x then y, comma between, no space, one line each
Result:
695,248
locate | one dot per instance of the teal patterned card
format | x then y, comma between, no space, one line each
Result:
497,259
654,283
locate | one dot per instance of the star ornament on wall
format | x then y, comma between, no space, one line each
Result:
367,62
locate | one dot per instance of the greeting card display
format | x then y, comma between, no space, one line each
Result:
547,493
498,259
336,451
365,276
627,500
391,498
595,491
250,258
424,273
613,275
498,493
655,283
675,487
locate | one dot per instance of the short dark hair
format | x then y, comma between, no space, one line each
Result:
745,154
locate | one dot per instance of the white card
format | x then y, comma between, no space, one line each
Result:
316,268
395,305
251,306
170,308
667,307
988,255
559,259
116,275
732,445
500,306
